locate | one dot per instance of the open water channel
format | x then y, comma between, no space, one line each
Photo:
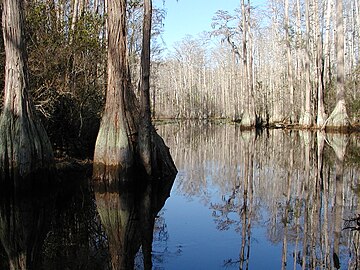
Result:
241,200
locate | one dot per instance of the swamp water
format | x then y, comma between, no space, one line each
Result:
241,200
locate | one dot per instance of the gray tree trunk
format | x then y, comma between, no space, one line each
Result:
339,118
248,118
307,117
289,62
321,116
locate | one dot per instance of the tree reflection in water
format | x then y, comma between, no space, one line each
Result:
71,227
23,228
128,211
301,189
298,185
52,228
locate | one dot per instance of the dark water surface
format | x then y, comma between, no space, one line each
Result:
241,200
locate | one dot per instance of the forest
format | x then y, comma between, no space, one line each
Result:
85,80
51,86
293,64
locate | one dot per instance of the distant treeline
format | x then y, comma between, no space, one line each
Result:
287,62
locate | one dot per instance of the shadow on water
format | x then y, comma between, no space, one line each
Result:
69,226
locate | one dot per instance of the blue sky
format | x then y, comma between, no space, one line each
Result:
192,16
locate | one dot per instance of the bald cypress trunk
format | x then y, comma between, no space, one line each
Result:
24,144
339,118
248,119
113,146
321,115
289,62
145,123
127,141
306,120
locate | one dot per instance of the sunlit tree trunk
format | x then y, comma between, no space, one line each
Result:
357,24
96,6
248,118
289,62
106,26
75,14
250,68
321,116
339,118
299,62
24,144
327,43
60,6
307,117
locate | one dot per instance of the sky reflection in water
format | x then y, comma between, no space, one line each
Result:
242,200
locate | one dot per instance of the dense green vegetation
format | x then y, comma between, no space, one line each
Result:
67,76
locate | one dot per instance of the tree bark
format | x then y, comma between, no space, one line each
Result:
321,116
327,68
75,13
113,147
24,144
289,62
126,139
307,117
145,123
299,59
339,118
248,118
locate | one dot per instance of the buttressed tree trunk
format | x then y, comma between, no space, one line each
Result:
24,145
339,118
248,118
126,138
113,146
306,120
